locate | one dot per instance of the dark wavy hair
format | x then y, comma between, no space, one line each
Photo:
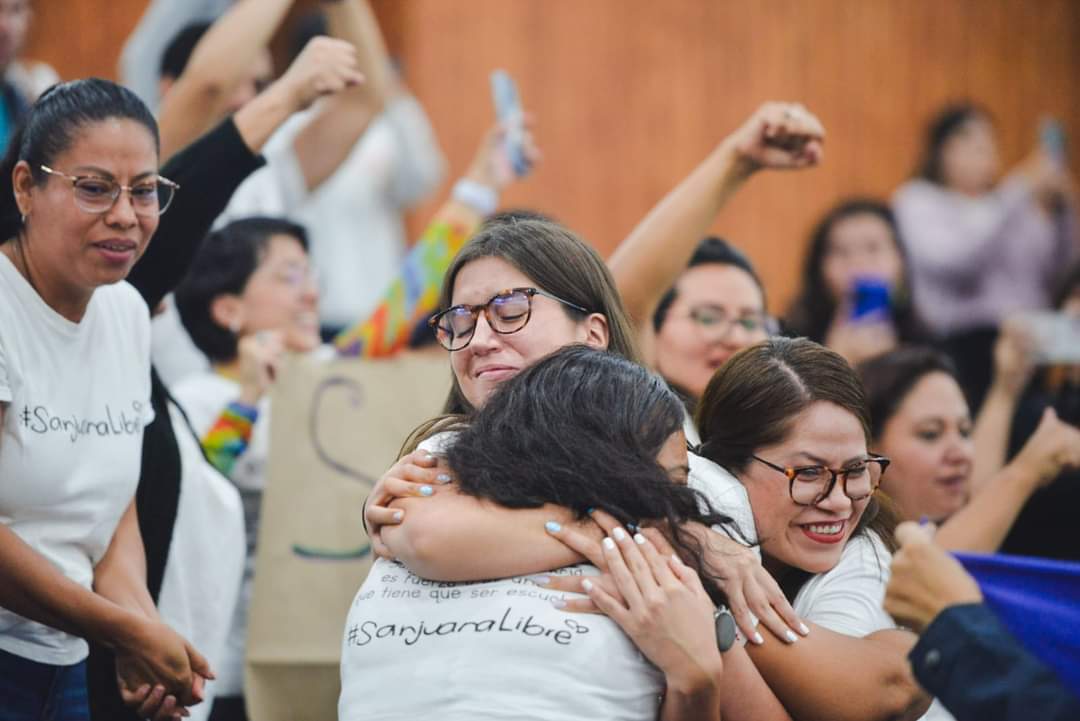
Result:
223,266
948,121
812,311
582,429
50,128
889,377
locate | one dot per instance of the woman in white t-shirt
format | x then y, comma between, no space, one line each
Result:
583,429
799,449
79,201
799,406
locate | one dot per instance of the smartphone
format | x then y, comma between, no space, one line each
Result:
871,299
1056,336
508,111
1052,139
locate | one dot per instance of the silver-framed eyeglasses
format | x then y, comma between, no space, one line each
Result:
810,485
716,321
508,311
95,194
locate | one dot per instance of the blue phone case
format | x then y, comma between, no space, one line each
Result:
871,299
504,94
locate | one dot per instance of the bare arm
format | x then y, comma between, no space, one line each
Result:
120,576
327,140
32,587
872,682
201,94
450,536
1012,369
650,259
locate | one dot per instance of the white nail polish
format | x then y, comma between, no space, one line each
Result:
758,639
804,629
398,515
608,544
619,534
558,603
790,636
539,580
587,584
639,539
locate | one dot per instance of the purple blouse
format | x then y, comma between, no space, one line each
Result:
975,261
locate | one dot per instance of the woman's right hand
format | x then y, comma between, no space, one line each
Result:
259,355
325,66
779,136
156,656
416,475
491,167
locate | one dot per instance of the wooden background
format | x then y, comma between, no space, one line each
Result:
630,94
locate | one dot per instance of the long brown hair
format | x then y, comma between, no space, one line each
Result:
754,398
557,261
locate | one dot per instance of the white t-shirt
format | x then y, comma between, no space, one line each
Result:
416,649
847,599
76,398
726,495
204,397
355,219
205,568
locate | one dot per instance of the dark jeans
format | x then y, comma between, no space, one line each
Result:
31,691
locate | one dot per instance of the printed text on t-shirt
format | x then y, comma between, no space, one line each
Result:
39,419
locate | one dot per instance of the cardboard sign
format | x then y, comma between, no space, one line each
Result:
336,427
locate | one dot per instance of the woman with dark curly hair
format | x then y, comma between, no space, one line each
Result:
588,430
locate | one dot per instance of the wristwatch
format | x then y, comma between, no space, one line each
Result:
725,628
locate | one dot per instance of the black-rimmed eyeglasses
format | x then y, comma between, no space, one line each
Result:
507,311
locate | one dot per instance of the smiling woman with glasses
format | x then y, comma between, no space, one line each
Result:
785,426
74,399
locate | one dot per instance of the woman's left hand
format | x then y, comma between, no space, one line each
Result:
660,603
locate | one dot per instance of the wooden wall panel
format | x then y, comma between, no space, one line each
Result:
82,37
630,94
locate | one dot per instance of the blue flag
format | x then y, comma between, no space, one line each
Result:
1038,600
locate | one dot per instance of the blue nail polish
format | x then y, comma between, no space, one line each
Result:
552,527
589,511
633,527
426,490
